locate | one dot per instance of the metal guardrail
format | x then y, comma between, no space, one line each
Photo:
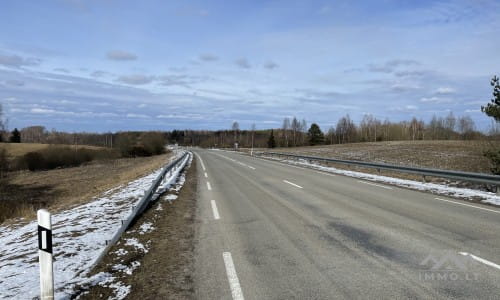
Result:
457,175
141,206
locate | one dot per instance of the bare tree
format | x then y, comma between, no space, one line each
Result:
3,125
295,126
285,128
449,124
253,136
466,127
236,128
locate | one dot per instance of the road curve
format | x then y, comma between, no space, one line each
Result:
274,231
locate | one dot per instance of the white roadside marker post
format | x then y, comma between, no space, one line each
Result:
45,255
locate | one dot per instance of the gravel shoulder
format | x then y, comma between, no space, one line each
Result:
155,258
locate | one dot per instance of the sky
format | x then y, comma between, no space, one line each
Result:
106,65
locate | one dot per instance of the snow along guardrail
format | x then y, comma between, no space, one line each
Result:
143,204
465,176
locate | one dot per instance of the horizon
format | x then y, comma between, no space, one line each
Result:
125,66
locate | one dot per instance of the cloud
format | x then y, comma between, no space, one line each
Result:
270,65
406,108
62,70
14,82
435,99
402,87
136,79
16,61
120,55
413,73
182,80
391,65
445,91
99,73
181,116
138,116
208,57
242,63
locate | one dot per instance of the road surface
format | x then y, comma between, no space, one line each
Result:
274,231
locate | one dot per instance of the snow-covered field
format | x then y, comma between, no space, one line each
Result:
80,235
469,194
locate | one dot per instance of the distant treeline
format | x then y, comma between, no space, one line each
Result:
294,133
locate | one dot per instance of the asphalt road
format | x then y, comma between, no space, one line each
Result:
283,232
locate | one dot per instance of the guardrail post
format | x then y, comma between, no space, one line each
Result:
45,255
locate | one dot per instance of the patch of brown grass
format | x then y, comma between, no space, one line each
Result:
15,150
23,192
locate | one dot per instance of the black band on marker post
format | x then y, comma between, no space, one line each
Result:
48,236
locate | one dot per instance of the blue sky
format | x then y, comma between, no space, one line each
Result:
110,65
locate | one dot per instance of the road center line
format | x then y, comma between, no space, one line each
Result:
374,184
209,187
206,175
495,211
291,183
232,277
215,211
481,260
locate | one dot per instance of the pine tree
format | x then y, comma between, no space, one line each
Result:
492,109
271,143
16,136
315,135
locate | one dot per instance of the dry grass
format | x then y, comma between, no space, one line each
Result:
15,150
449,155
63,188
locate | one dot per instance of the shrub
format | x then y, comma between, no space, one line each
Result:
4,163
133,144
33,161
61,157
494,156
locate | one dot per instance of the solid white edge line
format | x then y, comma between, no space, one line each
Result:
232,277
491,210
209,187
201,161
481,260
374,184
215,210
291,183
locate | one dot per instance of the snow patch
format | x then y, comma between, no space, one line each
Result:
136,244
145,228
80,235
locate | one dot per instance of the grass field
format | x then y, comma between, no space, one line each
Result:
449,155
24,192
15,150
